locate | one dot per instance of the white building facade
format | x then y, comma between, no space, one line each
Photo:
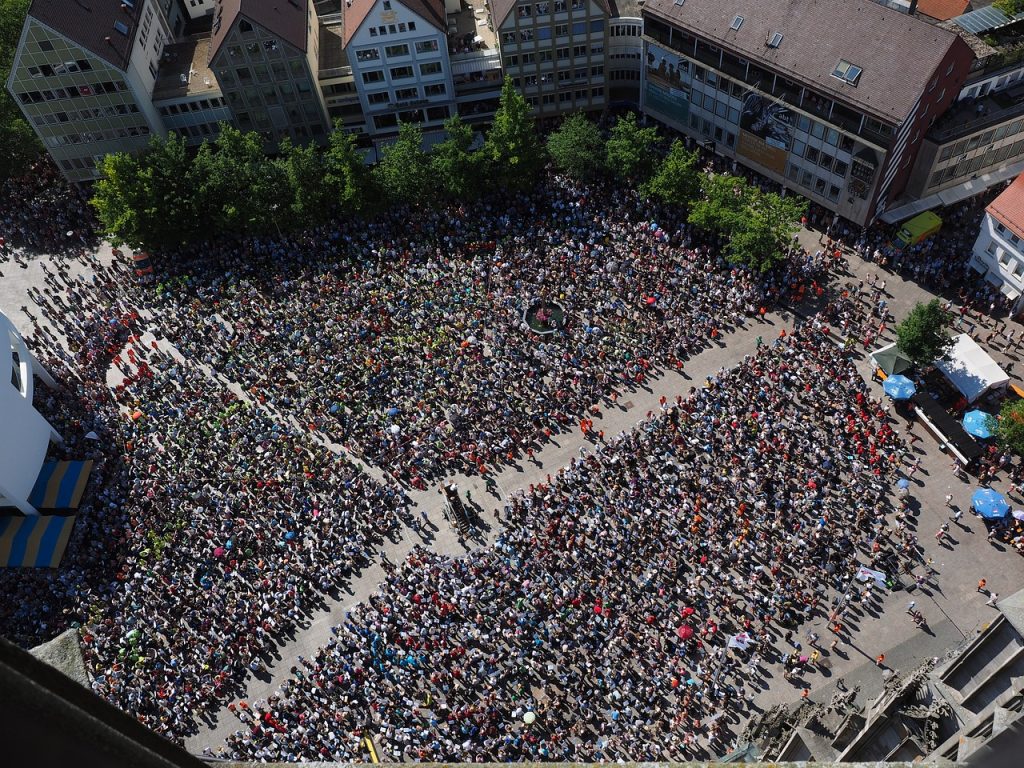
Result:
400,64
998,252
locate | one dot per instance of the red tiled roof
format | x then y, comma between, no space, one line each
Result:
943,10
355,13
284,18
1009,207
90,25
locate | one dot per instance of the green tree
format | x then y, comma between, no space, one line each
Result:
148,200
577,148
764,234
403,172
346,175
513,149
677,180
1010,7
631,149
244,191
922,335
18,143
723,205
1009,427
303,167
454,165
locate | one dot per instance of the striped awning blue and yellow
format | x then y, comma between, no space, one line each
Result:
34,542
60,485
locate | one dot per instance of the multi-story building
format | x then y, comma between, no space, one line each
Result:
999,250
831,99
398,51
624,54
83,75
265,56
554,51
979,141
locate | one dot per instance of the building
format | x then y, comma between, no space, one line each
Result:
554,51
624,55
979,141
831,99
999,250
265,57
398,52
83,75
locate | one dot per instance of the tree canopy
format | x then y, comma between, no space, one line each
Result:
454,165
677,180
631,149
346,177
922,335
403,173
577,148
513,149
18,143
1009,427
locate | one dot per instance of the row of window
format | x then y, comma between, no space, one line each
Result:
431,114
558,31
257,49
969,166
402,73
407,94
1002,230
566,97
707,129
526,10
625,30
87,137
63,68
624,74
396,51
77,164
193,106
966,145
392,29
816,184
563,76
559,54
80,115
56,94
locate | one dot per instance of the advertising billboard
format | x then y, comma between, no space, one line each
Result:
665,92
766,131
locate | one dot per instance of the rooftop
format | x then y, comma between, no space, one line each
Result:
897,55
184,70
1009,207
470,29
104,27
286,19
969,116
332,50
942,10
356,11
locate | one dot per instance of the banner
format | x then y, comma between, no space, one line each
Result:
865,574
665,92
766,131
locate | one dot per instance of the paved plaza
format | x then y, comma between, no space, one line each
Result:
954,609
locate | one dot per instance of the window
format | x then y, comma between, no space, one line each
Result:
579,28
775,40
525,10
437,89
412,26
433,68
812,154
396,50
387,5
559,6
528,58
847,72
401,73
561,53
577,4
543,9
368,54
373,31
561,30
407,94
121,27
45,45
426,46
737,22
374,76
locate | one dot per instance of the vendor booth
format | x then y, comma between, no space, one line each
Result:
971,370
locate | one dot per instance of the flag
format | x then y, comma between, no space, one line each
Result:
866,574
741,641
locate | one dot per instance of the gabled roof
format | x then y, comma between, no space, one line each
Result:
500,9
354,13
897,54
1009,209
943,10
284,18
89,23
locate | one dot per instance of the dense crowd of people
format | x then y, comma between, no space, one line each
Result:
734,515
405,339
40,211
209,527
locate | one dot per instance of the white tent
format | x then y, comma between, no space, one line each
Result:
970,369
25,435
891,360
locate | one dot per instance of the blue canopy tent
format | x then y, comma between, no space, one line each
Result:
990,504
899,387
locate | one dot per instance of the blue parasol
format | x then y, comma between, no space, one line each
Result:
977,423
990,504
899,387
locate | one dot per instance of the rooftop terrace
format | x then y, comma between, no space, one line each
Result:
184,70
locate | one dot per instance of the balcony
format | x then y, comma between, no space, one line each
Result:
476,71
972,115
469,30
